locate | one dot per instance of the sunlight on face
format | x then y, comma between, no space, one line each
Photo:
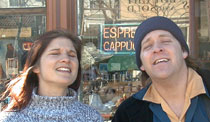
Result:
58,64
161,54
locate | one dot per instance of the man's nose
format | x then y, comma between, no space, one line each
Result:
157,48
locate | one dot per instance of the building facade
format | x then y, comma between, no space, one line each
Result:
107,29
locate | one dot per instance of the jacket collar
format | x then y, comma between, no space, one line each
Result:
140,95
203,73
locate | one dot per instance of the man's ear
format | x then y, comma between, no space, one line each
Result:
185,54
142,68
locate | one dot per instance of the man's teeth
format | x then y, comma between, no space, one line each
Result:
63,69
161,60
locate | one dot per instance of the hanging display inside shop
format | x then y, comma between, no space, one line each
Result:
12,32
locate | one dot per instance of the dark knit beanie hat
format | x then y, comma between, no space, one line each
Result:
156,23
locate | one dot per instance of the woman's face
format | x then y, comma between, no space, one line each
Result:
58,66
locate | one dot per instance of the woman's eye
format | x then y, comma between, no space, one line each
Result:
55,53
72,55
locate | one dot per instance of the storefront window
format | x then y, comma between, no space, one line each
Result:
203,32
18,29
107,29
16,37
22,3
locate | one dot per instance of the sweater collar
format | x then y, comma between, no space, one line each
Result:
58,101
50,108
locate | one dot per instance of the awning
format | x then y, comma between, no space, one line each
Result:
122,63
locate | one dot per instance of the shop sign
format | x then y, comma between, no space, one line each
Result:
141,9
117,38
12,32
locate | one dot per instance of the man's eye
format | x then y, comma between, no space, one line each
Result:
166,41
146,47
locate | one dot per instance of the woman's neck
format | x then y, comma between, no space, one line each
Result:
52,91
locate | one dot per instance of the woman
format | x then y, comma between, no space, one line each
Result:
46,91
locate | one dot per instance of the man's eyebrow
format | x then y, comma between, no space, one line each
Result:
147,40
165,35
161,35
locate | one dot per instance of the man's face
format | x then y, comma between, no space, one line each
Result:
161,54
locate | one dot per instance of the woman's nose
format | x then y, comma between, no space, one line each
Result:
65,58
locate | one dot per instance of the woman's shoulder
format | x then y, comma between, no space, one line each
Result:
86,108
8,116
89,111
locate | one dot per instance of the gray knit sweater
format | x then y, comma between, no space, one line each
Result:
53,109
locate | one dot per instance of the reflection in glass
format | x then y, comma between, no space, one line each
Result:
17,33
204,31
110,74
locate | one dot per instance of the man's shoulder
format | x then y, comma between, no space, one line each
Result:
133,109
135,101
205,74
133,105
131,101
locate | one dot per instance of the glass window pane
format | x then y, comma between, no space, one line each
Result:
204,32
17,33
107,29
22,3
18,30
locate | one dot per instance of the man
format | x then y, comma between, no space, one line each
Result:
178,92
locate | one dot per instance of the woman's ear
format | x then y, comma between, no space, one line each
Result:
36,70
